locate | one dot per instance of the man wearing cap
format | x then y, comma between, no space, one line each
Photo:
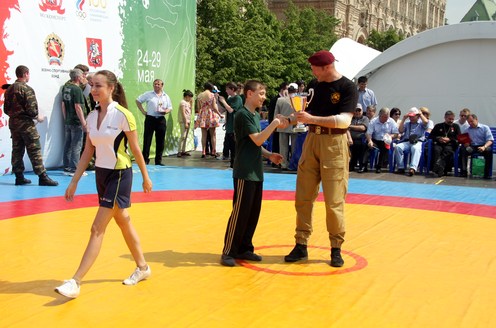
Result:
325,156
413,134
357,140
158,104
283,107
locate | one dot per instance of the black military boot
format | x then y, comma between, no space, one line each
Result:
21,180
46,181
298,253
336,259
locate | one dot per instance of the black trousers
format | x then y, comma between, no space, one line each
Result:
488,156
230,146
442,157
157,125
358,150
383,153
247,203
275,142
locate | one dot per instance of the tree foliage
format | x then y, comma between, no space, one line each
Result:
303,32
383,40
241,39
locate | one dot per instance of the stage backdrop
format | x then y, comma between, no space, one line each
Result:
139,40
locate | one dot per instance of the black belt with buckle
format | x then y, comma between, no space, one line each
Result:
317,129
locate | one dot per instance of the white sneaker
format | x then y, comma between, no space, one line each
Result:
137,276
69,289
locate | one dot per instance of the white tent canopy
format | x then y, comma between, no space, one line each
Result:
447,68
352,56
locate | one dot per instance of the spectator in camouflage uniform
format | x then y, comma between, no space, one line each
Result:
21,106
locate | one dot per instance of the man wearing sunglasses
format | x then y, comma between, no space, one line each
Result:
462,121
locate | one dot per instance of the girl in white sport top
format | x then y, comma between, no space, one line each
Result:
106,124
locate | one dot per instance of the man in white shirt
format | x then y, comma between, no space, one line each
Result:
158,104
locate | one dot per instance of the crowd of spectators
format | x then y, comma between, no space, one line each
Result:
379,138
414,141
404,142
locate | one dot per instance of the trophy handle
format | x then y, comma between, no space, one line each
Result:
310,94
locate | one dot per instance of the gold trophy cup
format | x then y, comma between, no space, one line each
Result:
300,102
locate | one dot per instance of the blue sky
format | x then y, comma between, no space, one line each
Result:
456,9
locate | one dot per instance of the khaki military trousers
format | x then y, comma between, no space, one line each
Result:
325,159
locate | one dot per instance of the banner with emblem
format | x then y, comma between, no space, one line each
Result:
139,40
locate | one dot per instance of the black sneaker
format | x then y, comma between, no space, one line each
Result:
250,256
298,253
336,259
227,260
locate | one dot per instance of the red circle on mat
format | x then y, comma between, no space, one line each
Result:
360,263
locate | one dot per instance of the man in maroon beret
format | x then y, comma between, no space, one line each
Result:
321,58
325,156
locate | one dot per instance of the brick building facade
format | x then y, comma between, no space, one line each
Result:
359,17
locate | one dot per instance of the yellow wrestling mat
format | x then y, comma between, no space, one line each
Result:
403,268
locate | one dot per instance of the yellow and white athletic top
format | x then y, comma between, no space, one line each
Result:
110,140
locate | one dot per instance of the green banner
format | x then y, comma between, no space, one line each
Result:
159,42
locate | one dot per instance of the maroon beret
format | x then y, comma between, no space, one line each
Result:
321,58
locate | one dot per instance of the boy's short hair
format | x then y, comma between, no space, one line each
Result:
253,85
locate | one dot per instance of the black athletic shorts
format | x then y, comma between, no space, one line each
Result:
114,187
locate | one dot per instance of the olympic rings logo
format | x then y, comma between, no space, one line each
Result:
81,14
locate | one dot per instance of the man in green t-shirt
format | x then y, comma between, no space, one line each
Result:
74,120
248,175
233,104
